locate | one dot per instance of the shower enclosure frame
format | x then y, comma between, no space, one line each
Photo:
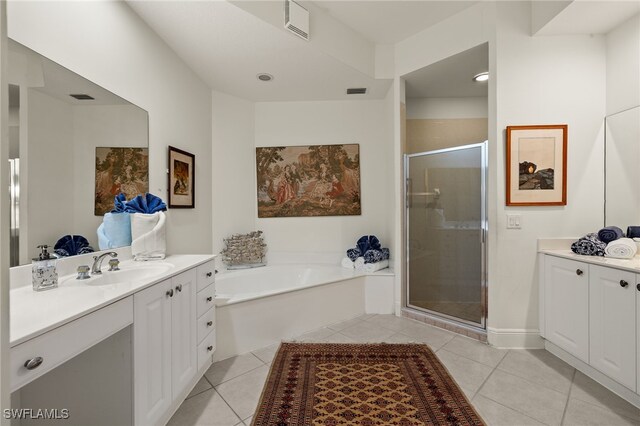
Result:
482,325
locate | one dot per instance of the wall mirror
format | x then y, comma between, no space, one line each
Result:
57,121
622,168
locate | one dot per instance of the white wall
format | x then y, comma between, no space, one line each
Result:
110,45
623,66
341,122
446,108
233,167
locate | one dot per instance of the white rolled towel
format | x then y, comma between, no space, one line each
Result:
622,248
359,263
376,266
347,263
148,236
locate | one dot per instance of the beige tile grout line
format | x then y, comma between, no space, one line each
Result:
566,404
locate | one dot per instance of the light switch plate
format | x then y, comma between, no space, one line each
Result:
514,221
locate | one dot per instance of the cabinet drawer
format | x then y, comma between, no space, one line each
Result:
206,323
63,343
206,349
206,274
206,299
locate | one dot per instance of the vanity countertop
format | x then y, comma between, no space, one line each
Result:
632,264
34,313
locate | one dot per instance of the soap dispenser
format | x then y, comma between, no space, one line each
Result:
43,271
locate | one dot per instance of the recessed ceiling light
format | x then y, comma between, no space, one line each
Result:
263,76
483,76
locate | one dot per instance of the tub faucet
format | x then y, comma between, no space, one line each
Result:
97,262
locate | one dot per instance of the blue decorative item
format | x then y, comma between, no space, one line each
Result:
633,232
372,256
589,245
71,245
385,253
368,242
353,254
147,203
610,233
119,203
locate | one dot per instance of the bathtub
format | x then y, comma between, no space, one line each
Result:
259,307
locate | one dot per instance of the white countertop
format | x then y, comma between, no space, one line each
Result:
36,312
632,264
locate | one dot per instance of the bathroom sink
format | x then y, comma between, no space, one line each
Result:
130,272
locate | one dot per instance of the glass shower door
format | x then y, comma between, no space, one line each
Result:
445,223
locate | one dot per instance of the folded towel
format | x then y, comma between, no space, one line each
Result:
589,245
114,231
119,203
386,254
353,254
373,256
368,242
147,203
622,248
373,267
359,263
148,234
633,231
71,245
347,263
610,233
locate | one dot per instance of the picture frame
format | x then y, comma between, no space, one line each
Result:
181,179
308,181
536,169
119,170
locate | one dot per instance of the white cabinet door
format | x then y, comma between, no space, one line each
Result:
566,302
152,353
638,330
612,321
184,347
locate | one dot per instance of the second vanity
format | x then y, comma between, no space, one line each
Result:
169,305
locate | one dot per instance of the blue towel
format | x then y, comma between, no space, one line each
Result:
353,254
147,203
633,232
114,231
373,256
610,233
119,203
368,242
589,245
71,245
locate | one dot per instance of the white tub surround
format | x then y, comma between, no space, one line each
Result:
590,314
160,299
262,306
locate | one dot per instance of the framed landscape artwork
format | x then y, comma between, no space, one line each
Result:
119,170
537,165
315,180
182,179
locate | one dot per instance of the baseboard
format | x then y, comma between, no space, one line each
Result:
514,338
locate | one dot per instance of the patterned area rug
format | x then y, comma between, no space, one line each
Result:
351,384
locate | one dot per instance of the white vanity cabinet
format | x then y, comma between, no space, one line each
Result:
612,323
567,305
165,351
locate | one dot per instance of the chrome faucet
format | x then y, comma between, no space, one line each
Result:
97,262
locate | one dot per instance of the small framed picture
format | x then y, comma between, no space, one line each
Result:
182,179
537,165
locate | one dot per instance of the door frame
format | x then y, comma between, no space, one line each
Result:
482,325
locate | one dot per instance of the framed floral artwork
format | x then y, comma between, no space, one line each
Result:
536,165
119,170
182,179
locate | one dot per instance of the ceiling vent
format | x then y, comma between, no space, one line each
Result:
357,91
296,19
82,97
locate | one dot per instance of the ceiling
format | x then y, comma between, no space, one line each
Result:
227,47
452,77
391,21
591,17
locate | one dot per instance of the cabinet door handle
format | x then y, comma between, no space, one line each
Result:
170,293
209,348
624,284
209,274
179,288
34,363
209,299
210,323
638,287
579,272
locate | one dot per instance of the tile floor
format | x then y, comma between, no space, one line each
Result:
507,387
